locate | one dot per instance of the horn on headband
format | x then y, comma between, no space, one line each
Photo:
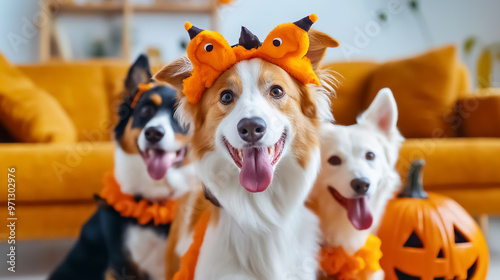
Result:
306,22
248,40
192,30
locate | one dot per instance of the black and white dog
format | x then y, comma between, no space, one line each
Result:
127,234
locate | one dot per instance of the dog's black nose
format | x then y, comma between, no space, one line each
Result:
154,133
360,185
252,129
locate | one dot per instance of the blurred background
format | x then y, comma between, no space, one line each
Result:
376,30
48,39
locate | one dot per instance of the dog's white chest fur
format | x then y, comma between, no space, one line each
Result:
232,252
147,250
270,235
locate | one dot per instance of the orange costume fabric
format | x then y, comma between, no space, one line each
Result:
334,261
190,258
143,210
286,46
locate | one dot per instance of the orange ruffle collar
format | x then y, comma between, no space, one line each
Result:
143,210
334,261
190,258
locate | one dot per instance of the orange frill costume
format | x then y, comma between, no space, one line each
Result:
335,261
211,55
142,210
190,258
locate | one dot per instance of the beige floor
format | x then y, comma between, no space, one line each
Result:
36,258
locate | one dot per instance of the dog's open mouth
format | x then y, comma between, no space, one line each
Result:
358,210
158,161
256,163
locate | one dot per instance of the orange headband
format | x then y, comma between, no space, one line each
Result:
142,88
286,46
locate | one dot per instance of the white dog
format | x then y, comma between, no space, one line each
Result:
357,177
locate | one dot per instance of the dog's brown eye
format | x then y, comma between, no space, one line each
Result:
277,92
226,97
335,160
370,156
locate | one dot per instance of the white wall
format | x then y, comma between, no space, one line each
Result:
18,40
163,32
449,21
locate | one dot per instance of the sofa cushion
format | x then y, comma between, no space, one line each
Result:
351,89
464,80
115,78
478,115
454,163
425,88
80,88
56,172
29,113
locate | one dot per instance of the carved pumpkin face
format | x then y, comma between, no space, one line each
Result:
430,237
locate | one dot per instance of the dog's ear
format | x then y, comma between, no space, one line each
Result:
382,113
139,73
174,73
318,43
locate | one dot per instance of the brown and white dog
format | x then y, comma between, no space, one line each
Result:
256,124
357,177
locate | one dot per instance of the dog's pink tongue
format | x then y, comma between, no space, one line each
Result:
157,164
359,212
256,171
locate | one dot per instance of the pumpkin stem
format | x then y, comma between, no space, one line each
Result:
414,187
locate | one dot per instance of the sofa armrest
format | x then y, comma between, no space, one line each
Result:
478,115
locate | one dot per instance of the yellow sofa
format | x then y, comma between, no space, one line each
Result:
55,182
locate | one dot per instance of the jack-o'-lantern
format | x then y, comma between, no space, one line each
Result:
430,237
